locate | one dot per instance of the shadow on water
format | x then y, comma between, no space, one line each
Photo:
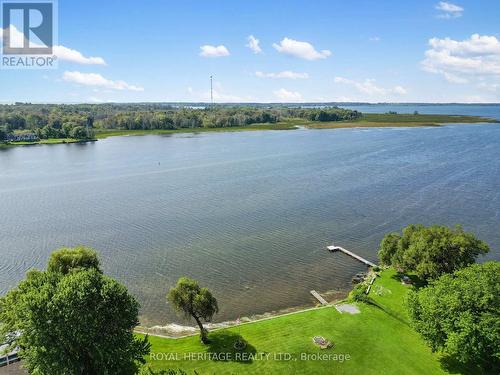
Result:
223,342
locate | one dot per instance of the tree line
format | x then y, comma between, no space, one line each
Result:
456,308
80,120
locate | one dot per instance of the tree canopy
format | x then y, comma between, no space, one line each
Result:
80,120
196,302
459,313
66,259
72,319
430,251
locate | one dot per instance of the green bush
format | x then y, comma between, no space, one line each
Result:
358,293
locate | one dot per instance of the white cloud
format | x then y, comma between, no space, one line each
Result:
452,78
214,51
369,87
449,10
63,53
284,74
489,86
461,61
68,54
97,80
399,90
253,44
374,39
303,50
95,99
287,96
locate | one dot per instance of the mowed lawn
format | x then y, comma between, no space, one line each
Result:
378,340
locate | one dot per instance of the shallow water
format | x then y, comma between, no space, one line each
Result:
249,214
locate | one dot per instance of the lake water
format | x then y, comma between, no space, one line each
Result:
249,214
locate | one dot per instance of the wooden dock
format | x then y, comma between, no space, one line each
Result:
318,297
350,253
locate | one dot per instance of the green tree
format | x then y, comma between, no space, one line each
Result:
196,302
3,133
459,314
49,132
67,127
72,319
430,251
79,132
66,259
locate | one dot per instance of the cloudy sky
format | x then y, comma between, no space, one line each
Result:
269,51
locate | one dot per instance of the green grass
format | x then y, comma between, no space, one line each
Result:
368,120
389,294
49,141
379,340
104,133
400,120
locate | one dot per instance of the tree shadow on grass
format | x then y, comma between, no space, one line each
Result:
222,344
453,366
388,311
416,281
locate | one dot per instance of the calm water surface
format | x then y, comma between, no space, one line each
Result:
248,214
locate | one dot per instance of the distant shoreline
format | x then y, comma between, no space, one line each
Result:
50,141
368,120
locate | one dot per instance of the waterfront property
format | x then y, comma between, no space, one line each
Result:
368,342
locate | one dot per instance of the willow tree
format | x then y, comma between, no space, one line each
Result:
195,302
431,251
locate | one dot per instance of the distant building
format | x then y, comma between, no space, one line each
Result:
26,137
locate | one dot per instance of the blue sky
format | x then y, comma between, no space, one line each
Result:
399,51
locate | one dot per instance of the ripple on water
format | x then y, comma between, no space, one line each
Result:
247,214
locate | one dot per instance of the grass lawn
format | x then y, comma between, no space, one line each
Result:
378,341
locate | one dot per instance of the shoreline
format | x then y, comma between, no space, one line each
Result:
303,125
370,120
178,331
50,141
213,327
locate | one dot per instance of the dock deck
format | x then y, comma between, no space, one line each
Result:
318,297
350,253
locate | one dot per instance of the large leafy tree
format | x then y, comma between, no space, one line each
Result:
459,313
430,251
195,302
72,319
